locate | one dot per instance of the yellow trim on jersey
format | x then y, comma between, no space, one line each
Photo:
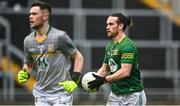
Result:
47,54
40,39
123,36
128,55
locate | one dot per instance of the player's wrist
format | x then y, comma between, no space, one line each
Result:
105,80
76,76
108,79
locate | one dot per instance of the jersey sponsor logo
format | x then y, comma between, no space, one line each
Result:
128,55
42,62
32,50
112,64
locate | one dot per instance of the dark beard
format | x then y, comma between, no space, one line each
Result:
113,35
37,26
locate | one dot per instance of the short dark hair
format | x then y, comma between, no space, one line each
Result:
126,20
42,5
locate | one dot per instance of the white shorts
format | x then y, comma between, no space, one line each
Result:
132,99
64,100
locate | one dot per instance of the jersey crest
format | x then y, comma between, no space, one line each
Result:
50,48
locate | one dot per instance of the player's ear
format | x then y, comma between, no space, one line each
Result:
45,15
121,26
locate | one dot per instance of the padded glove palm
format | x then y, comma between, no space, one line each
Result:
69,86
23,76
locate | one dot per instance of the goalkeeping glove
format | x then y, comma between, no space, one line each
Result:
23,76
70,86
97,82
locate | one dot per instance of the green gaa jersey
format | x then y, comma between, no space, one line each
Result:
123,52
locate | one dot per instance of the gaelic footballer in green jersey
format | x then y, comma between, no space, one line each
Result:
120,65
123,52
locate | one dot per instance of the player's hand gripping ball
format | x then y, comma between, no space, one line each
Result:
88,77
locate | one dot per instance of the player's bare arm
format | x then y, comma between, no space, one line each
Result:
103,71
78,61
123,72
70,86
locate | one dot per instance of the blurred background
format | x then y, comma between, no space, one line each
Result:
156,32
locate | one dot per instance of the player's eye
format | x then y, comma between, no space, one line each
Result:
110,24
32,14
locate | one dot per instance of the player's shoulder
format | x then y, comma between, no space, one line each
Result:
128,41
29,36
128,44
58,32
110,44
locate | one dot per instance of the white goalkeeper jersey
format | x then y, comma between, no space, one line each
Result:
51,60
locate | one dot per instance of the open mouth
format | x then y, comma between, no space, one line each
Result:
31,22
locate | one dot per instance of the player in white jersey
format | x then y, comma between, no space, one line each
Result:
48,55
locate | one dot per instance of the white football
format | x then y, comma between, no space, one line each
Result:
87,78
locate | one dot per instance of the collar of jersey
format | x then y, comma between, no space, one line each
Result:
120,40
46,32
40,40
